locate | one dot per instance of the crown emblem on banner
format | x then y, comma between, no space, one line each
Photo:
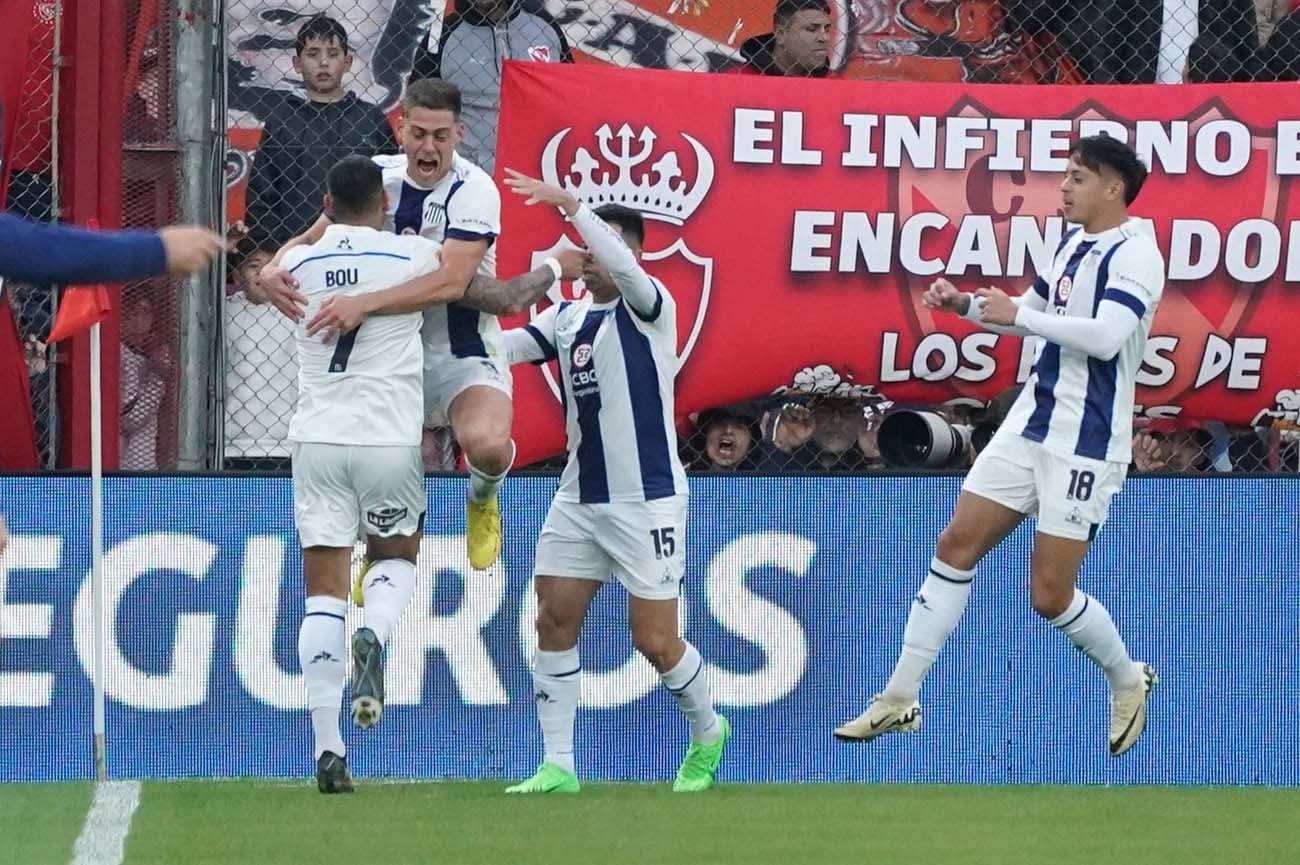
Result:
658,190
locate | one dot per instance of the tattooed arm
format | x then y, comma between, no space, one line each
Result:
512,296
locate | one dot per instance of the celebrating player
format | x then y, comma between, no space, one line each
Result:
435,193
356,455
621,505
1064,448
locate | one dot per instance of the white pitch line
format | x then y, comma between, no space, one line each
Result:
103,839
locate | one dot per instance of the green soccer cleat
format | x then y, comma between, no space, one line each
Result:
699,768
549,778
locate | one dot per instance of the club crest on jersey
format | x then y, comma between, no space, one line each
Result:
540,53
1064,286
581,355
687,276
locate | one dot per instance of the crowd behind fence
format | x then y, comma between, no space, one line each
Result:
308,81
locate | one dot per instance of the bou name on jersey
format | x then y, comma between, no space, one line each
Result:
464,205
367,386
617,363
1074,403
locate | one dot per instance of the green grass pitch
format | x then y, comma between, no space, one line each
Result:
272,822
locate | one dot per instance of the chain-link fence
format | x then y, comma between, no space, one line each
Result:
304,91
32,193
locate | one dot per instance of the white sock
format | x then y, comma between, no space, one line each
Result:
689,685
388,587
1089,626
483,487
324,667
936,609
557,681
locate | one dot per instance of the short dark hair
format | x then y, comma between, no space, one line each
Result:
1096,151
625,218
787,9
355,184
324,29
433,94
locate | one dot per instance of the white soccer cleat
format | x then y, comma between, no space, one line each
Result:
1128,711
880,717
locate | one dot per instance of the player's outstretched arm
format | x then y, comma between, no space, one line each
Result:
1101,336
605,244
513,296
35,252
459,259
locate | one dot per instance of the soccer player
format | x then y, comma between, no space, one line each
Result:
621,505
356,455
435,193
1064,448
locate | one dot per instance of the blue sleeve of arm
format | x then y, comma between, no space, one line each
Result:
38,253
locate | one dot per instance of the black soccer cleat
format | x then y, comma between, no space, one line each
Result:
332,774
367,679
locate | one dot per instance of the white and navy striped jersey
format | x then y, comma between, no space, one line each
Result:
617,363
367,386
464,205
1073,402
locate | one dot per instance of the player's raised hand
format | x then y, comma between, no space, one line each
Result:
943,295
337,315
281,290
572,261
540,192
997,307
189,248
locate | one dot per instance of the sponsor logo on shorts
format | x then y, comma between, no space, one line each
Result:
385,518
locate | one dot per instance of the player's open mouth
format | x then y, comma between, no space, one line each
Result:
426,166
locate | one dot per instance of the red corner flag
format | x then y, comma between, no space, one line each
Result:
80,307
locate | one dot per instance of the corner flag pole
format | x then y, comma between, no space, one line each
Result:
97,542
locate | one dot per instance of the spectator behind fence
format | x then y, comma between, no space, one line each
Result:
261,370
303,138
797,47
468,47
143,385
1279,60
726,439
1122,42
1268,14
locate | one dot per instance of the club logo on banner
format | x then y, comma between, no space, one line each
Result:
624,170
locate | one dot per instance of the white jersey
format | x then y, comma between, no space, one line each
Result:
1074,403
367,386
616,379
463,205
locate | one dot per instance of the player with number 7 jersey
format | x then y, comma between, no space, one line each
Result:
356,455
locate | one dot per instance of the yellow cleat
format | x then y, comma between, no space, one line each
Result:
358,596
482,533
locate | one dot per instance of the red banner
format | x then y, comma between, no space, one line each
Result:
798,222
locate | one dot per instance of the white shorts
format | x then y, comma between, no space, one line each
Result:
447,376
342,493
1070,495
643,544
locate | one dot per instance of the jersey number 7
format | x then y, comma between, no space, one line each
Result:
343,350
